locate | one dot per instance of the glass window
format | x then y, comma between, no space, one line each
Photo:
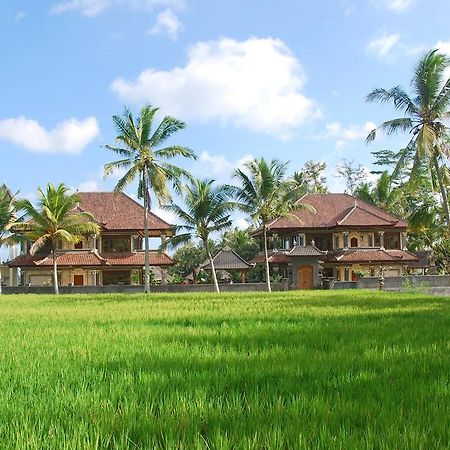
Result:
116,245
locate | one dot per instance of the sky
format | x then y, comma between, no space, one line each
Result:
283,79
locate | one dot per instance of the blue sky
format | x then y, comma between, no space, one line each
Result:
281,79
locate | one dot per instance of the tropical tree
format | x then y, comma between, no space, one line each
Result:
242,242
55,219
424,118
8,217
265,193
144,158
207,210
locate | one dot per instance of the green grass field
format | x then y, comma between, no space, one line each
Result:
316,370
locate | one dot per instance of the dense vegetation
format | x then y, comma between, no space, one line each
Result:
283,370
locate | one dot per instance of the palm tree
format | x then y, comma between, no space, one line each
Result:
207,211
7,219
424,116
266,194
138,145
55,219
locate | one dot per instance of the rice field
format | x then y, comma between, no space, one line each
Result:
290,370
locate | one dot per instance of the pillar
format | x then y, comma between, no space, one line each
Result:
381,240
403,241
243,277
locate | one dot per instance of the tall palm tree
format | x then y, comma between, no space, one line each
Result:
207,211
139,146
265,194
55,219
424,116
8,217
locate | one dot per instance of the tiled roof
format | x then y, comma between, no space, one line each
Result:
307,250
118,212
375,256
425,259
336,210
227,259
91,259
276,258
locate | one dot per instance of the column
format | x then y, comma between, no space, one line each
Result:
381,233
403,239
345,240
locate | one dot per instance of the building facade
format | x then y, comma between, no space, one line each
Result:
339,237
115,256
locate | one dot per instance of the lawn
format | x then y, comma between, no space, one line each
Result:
313,370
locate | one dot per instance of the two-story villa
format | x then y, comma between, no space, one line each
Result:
115,256
342,238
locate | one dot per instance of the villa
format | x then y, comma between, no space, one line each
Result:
343,238
115,256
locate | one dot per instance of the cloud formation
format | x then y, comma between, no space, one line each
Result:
255,84
167,22
92,8
352,132
396,5
70,136
383,45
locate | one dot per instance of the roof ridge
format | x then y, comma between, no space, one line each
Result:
338,222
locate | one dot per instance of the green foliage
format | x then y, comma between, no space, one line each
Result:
424,118
241,242
411,287
303,370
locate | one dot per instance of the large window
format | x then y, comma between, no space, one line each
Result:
116,244
116,277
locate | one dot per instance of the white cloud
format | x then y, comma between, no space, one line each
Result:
20,15
167,22
348,133
255,84
168,216
92,8
218,166
70,136
383,45
395,5
89,186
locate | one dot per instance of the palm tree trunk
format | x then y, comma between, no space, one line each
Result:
213,269
444,195
266,258
55,271
146,237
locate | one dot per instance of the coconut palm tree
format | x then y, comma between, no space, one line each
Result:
265,194
7,218
424,116
55,219
207,211
139,145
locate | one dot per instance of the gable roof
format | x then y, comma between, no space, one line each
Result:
227,259
334,211
91,259
118,212
373,256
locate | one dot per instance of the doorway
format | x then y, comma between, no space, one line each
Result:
305,277
78,280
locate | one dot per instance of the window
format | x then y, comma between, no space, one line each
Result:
287,243
370,240
116,245
377,241
354,242
116,277
78,245
301,240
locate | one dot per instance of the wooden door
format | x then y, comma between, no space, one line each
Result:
78,280
305,277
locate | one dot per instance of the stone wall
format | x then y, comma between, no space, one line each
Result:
167,288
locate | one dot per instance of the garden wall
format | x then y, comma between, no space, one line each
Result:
235,287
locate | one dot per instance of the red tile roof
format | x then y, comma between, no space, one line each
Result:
375,256
91,259
277,258
118,212
334,211
307,250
